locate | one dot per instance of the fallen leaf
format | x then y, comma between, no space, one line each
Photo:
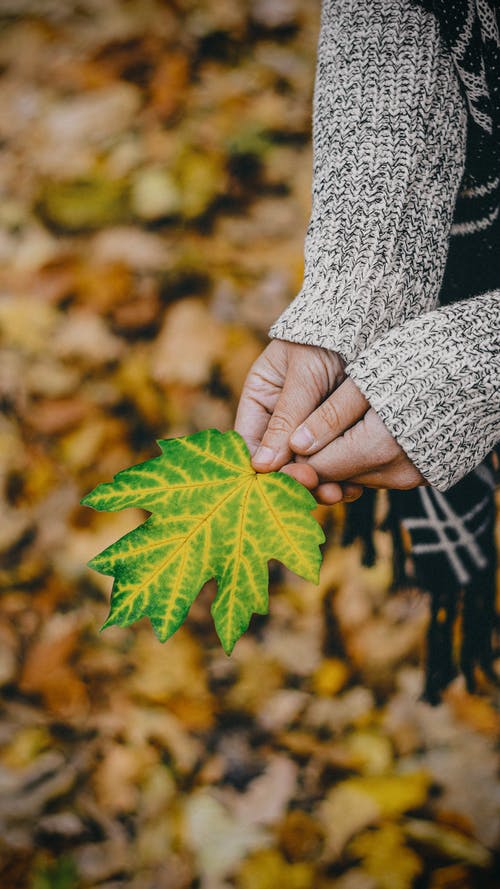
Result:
268,869
93,116
155,193
393,794
354,878
59,875
268,795
84,335
173,676
386,857
217,838
130,247
47,668
371,751
51,416
9,656
477,712
27,323
301,836
84,204
455,876
343,813
117,777
169,83
25,746
200,177
330,676
448,842
259,677
281,709
189,344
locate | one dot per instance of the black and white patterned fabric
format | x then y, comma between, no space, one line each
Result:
470,29
454,558
453,533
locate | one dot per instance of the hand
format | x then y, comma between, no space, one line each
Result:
283,388
344,439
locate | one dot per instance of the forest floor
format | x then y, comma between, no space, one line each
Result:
156,175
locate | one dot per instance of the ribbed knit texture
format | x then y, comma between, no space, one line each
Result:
435,382
389,138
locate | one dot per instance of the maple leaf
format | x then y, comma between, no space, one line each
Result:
212,516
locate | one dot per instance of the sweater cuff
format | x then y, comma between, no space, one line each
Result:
435,383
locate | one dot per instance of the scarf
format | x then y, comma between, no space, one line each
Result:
452,545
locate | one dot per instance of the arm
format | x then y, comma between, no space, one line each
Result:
422,404
435,383
389,139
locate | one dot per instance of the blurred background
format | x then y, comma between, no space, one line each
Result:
155,172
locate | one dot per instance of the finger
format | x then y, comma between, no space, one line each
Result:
261,390
329,493
397,475
252,419
337,413
298,398
367,446
302,473
333,492
351,492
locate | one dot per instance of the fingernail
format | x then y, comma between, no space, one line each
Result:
263,456
302,438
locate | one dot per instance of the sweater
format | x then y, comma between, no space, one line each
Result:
389,151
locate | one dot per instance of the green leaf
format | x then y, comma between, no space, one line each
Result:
61,875
212,516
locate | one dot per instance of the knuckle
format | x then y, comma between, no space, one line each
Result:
389,450
404,485
279,423
329,415
415,479
406,481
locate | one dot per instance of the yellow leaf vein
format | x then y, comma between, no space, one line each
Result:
172,555
215,458
277,520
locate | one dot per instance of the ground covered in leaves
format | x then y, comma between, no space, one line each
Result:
155,173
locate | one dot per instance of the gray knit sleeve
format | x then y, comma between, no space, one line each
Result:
435,382
389,139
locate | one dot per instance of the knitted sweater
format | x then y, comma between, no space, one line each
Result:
389,139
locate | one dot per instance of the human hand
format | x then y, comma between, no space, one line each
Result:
283,387
344,440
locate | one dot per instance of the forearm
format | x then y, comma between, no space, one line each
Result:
389,134
435,382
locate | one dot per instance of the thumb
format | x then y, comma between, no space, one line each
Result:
297,400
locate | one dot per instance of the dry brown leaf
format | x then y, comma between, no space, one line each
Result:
455,876
47,669
301,836
172,674
56,415
478,713
169,83
267,796
343,813
189,344
118,776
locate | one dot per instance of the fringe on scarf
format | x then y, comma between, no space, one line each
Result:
458,611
